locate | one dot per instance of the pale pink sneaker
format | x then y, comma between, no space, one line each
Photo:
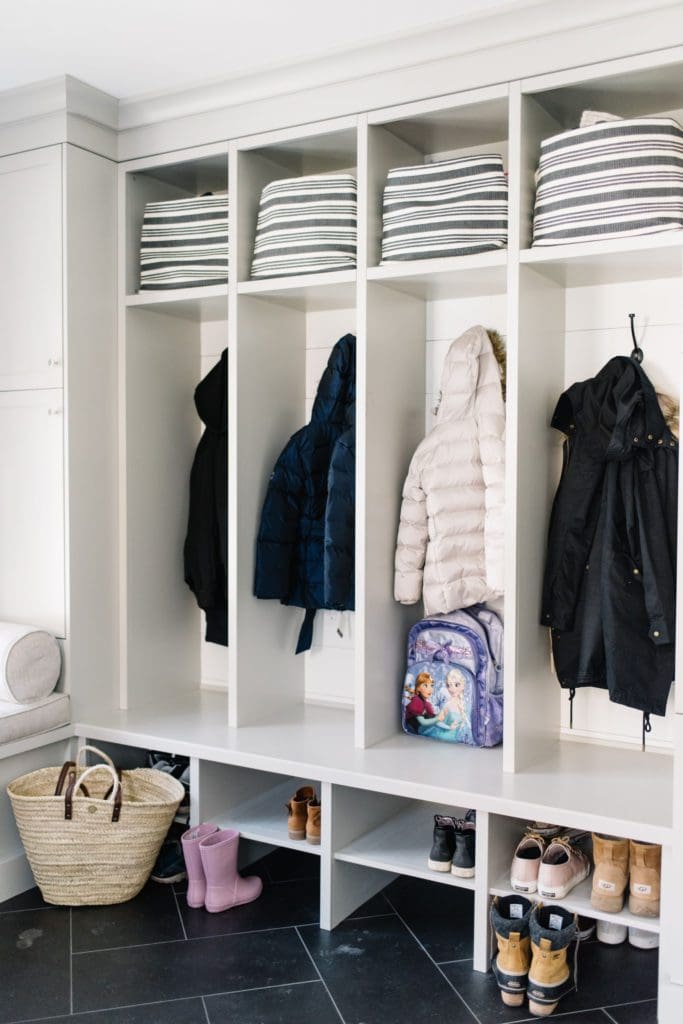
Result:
526,863
563,866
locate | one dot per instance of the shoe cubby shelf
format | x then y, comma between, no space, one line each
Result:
263,818
579,902
401,845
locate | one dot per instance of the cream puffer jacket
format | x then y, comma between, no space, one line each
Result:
450,538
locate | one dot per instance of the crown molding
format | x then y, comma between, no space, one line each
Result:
59,110
530,20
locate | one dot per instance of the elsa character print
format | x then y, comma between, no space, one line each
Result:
454,726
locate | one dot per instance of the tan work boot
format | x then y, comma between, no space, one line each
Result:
313,822
610,877
510,922
552,929
646,873
298,812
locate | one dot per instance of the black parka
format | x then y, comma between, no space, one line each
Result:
610,578
206,544
290,549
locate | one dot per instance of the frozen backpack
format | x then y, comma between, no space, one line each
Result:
453,689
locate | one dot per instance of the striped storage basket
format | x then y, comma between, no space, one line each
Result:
449,208
306,225
184,243
610,180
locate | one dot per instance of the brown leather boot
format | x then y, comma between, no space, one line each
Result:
298,812
610,877
313,822
646,873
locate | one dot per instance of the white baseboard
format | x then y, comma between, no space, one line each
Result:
15,876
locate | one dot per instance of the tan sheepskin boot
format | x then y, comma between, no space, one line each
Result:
610,878
646,873
298,812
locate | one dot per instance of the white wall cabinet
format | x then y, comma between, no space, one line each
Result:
32,571
31,270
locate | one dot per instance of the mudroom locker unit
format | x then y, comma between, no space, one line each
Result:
257,720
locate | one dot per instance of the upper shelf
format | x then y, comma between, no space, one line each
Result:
331,290
644,257
206,303
452,277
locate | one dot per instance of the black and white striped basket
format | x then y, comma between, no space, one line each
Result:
306,225
184,243
610,180
449,208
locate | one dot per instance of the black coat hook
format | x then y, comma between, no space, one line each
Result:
637,353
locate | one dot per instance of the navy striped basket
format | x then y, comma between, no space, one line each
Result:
306,225
184,243
449,208
610,180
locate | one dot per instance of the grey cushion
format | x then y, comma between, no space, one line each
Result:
30,663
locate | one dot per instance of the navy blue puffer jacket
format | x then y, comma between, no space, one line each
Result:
340,521
291,545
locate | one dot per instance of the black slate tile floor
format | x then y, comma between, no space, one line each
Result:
404,957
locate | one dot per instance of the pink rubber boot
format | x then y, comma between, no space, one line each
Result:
196,882
225,887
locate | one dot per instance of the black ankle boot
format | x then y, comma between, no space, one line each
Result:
463,858
443,846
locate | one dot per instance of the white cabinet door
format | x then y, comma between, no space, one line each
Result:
32,509
31,270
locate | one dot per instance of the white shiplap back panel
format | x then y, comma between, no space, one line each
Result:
329,663
597,328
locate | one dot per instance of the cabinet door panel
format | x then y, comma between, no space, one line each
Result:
31,270
32,574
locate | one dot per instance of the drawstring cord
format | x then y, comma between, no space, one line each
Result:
572,694
647,727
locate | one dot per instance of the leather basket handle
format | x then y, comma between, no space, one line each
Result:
74,784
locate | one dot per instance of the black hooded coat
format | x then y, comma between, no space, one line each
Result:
610,578
206,544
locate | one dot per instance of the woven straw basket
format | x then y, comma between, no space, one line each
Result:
98,848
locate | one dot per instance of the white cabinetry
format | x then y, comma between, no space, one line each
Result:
58,406
31,270
32,508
